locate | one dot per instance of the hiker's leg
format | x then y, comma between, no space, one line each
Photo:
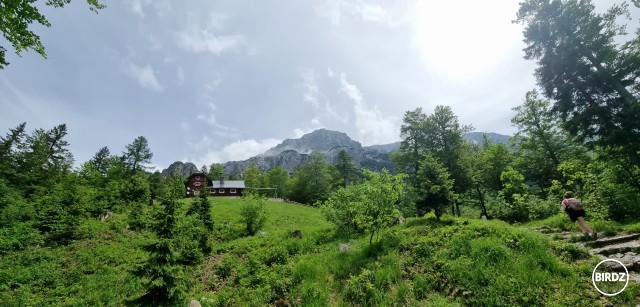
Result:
584,226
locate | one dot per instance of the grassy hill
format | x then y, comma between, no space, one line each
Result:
422,262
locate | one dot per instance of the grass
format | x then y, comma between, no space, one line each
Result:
562,222
91,271
453,262
281,217
424,262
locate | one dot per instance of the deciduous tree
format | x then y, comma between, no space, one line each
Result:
278,177
435,188
367,206
314,180
15,18
592,79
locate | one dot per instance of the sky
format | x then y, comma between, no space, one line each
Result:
213,81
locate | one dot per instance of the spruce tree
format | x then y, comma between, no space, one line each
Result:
205,209
166,277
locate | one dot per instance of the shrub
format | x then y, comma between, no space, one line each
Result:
524,208
252,214
370,205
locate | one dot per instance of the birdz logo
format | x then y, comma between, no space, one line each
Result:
610,283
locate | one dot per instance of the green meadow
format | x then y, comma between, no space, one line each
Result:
452,262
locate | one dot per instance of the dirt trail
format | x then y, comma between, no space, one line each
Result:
624,248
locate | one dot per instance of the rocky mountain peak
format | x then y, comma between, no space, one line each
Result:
321,140
180,169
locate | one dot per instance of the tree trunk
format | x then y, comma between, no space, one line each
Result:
371,237
481,198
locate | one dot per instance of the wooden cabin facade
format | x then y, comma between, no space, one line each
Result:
196,182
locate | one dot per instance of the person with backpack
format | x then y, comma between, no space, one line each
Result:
574,209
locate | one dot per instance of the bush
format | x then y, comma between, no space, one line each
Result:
252,214
524,208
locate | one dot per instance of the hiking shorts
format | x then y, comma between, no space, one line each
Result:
575,214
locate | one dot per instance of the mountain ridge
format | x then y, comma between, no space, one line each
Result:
292,152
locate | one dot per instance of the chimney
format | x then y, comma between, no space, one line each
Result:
221,179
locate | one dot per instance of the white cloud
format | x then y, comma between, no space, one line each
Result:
185,125
335,10
210,118
205,142
374,13
205,38
138,7
239,150
144,76
315,125
319,101
154,42
199,41
215,82
311,90
373,127
180,75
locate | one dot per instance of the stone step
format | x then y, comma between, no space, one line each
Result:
614,240
620,248
632,264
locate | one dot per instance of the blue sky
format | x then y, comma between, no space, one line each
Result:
211,81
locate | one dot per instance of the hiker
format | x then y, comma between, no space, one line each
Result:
574,209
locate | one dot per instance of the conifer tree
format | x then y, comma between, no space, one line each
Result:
166,277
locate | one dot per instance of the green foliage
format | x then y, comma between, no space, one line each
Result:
513,184
595,87
435,188
612,188
215,170
156,184
314,180
252,214
253,177
413,135
441,135
59,211
205,210
16,18
523,208
345,167
278,177
38,160
367,206
542,144
445,139
137,154
494,159
166,279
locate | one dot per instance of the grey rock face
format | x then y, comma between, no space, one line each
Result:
180,169
293,152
